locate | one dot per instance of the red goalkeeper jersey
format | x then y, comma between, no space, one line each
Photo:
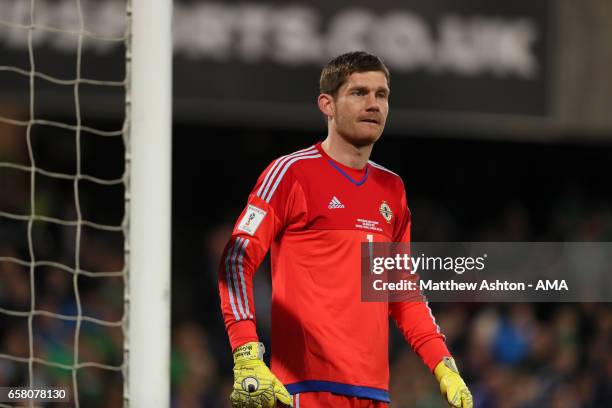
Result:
314,213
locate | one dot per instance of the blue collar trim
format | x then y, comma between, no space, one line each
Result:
345,174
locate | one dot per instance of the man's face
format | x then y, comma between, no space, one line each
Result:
360,107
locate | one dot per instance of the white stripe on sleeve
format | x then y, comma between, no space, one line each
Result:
239,242
280,163
268,197
241,271
229,281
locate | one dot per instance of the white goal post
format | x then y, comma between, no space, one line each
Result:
149,157
60,225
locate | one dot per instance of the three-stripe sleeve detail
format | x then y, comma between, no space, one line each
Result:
278,163
235,281
268,197
228,280
279,168
234,275
241,272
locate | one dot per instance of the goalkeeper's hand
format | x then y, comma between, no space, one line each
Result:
452,386
254,384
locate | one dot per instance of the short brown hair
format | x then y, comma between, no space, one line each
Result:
336,71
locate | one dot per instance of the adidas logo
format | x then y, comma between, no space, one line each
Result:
335,203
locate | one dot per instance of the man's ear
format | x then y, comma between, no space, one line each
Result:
326,105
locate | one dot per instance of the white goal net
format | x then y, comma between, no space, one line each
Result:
64,178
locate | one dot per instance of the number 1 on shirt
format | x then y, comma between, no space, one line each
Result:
370,238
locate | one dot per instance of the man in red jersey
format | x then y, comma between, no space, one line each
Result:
313,209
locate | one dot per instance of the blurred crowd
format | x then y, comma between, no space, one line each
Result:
511,355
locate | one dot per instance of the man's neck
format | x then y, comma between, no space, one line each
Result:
346,153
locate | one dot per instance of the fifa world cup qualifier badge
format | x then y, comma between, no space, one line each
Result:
252,219
386,212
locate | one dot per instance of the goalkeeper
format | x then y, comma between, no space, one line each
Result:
313,209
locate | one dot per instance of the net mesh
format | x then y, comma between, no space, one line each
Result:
63,216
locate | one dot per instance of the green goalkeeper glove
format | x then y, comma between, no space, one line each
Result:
254,384
452,386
